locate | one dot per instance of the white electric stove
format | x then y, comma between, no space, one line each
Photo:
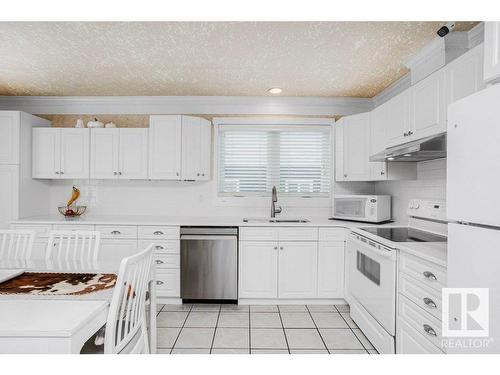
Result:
371,268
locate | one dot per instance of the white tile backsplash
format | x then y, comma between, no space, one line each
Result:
431,184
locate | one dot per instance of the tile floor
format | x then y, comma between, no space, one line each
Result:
283,329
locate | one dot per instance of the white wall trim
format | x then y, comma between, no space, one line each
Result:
476,35
199,105
394,89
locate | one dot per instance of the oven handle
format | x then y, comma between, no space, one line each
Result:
206,237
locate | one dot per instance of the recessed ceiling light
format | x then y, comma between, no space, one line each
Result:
275,90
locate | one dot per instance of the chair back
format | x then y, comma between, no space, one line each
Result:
126,328
16,244
65,245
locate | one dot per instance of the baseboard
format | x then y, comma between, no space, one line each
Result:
168,300
279,301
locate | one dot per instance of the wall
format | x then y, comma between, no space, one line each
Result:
431,184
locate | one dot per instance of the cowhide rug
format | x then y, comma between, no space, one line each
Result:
41,283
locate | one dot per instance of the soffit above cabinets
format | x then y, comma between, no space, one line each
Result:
357,59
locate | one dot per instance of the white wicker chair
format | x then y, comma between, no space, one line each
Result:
67,246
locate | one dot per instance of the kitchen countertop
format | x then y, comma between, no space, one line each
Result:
185,221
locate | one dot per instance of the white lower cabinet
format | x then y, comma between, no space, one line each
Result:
290,263
168,282
298,269
331,270
258,270
410,341
115,250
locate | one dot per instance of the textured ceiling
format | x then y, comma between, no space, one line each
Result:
202,58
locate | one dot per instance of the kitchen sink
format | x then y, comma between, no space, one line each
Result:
273,220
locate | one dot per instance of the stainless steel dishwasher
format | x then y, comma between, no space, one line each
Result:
209,263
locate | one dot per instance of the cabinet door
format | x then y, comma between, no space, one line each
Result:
410,341
491,51
9,194
298,269
165,139
258,270
331,270
464,75
428,106
398,119
9,137
75,150
191,148
46,157
104,146
340,175
115,250
205,150
378,126
133,154
356,136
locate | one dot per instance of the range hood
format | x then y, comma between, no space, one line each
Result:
428,148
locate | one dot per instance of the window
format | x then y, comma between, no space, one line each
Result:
295,159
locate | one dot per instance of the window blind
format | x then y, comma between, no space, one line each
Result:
294,159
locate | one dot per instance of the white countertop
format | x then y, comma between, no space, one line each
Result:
184,220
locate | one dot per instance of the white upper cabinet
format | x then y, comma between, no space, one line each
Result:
352,151
180,148
119,153
60,153
133,159
491,51
378,129
428,106
196,148
75,158
464,75
397,119
104,153
165,137
9,137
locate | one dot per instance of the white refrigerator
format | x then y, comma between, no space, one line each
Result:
473,207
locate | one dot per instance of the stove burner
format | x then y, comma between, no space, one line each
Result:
405,234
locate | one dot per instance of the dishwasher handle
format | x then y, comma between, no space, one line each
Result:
202,237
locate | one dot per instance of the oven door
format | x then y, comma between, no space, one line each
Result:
372,279
352,208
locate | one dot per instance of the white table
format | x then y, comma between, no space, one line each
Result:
58,323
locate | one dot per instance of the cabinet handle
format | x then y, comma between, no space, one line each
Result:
116,232
177,174
62,172
120,173
405,134
382,173
410,133
203,174
158,233
276,248
429,275
159,261
158,247
57,172
115,173
198,174
159,282
281,247
429,330
430,302
345,175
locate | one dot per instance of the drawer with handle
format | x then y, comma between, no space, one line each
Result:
167,261
424,296
41,231
428,325
429,273
117,231
161,246
159,232
168,282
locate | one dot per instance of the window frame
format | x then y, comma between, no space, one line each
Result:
261,199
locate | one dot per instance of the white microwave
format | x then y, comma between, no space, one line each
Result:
367,208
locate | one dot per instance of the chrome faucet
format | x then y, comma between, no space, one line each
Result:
274,199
